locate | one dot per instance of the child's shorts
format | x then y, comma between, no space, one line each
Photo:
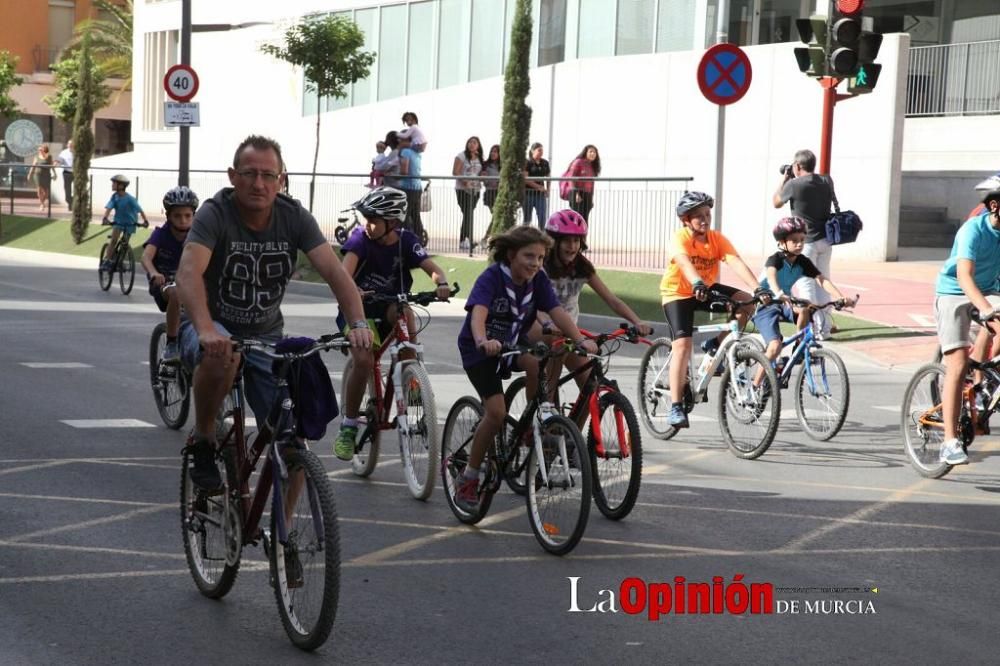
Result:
769,317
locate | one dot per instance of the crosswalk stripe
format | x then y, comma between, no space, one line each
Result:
39,365
107,423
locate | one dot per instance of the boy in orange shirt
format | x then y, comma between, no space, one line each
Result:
693,270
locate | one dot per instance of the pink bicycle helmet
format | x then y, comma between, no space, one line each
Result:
787,226
567,222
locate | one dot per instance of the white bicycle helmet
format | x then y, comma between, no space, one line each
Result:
990,184
385,202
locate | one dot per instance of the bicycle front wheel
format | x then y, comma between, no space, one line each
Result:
516,402
748,413
922,421
419,447
171,391
366,450
822,394
654,389
559,500
212,529
617,465
104,275
306,568
456,447
126,270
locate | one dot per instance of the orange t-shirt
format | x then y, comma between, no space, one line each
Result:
705,256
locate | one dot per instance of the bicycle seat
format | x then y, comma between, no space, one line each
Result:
343,219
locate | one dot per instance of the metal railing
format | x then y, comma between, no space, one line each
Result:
954,79
629,227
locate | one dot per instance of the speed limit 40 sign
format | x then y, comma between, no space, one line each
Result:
181,83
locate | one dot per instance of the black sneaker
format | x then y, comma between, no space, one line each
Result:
204,473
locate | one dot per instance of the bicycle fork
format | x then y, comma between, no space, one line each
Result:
545,411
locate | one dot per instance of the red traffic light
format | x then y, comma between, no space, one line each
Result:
850,7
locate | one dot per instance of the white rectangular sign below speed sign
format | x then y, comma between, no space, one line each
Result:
181,114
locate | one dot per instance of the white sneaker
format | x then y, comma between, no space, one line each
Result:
952,453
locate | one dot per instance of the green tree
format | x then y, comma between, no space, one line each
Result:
110,39
83,140
516,121
8,80
67,86
328,49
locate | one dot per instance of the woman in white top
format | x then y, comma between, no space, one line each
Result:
469,162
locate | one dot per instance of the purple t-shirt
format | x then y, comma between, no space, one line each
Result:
489,291
380,267
168,250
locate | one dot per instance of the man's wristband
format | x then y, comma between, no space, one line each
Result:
443,284
361,323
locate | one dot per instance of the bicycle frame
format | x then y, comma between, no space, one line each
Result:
397,341
726,353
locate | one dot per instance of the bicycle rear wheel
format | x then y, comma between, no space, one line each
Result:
654,389
922,421
516,402
822,394
419,450
104,275
171,392
748,414
126,270
559,506
212,528
456,446
306,569
366,450
618,468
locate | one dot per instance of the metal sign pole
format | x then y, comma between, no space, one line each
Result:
721,37
184,158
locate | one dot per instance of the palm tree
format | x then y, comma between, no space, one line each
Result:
110,39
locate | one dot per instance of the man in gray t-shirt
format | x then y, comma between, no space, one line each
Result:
237,261
810,196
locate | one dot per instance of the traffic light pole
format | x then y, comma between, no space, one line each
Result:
830,99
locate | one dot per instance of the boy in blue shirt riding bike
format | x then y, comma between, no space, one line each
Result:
127,210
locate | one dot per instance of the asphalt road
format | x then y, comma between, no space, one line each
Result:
92,569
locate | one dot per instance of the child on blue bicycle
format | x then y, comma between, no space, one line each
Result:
380,259
127,210
502,307
161,255
782,270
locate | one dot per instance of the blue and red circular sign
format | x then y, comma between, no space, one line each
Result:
724,74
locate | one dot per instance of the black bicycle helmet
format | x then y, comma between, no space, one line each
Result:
994,195
119,178
691,200
385,202
180,196
787,226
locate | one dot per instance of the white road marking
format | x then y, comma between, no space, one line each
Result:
888,408
56,365
924,321
106,423
76,306
853,286
91,523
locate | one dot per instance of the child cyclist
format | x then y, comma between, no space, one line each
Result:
161,255
502,307
127,210
693,270
782,269
569,271
380,259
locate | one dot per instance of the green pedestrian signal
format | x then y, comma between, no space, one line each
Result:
866,78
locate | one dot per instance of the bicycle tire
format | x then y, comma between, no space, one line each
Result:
740,403
922,423
419,455
654,389
456,445
367,449
340,233
126,269
516,403
172,395
616,478
833,397
104,276
212,529
572,481
307,610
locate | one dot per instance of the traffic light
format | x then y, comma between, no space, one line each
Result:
845,32
812,59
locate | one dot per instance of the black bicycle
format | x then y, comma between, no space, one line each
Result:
123,263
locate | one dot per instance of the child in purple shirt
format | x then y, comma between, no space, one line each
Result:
501,308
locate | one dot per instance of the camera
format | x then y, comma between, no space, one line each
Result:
786,170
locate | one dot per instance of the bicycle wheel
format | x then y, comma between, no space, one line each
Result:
456,446
748,414
516,402
618,468
822,394
306,569
104,275
126,270
654,389
340,233
558,507
171,391
366,450
419,450
212,528
922,421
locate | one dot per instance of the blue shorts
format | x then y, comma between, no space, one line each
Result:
769,317
259,382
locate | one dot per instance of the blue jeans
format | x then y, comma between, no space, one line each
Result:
534,200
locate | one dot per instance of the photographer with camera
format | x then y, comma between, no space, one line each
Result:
810,196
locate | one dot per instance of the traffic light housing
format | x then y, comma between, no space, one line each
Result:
812,59
839,47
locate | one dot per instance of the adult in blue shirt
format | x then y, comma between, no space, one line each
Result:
968,279
410,183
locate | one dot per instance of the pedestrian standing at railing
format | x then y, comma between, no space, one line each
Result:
469,162
587,165
536,192
390,167
65,160
491,170
41,175
410,183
